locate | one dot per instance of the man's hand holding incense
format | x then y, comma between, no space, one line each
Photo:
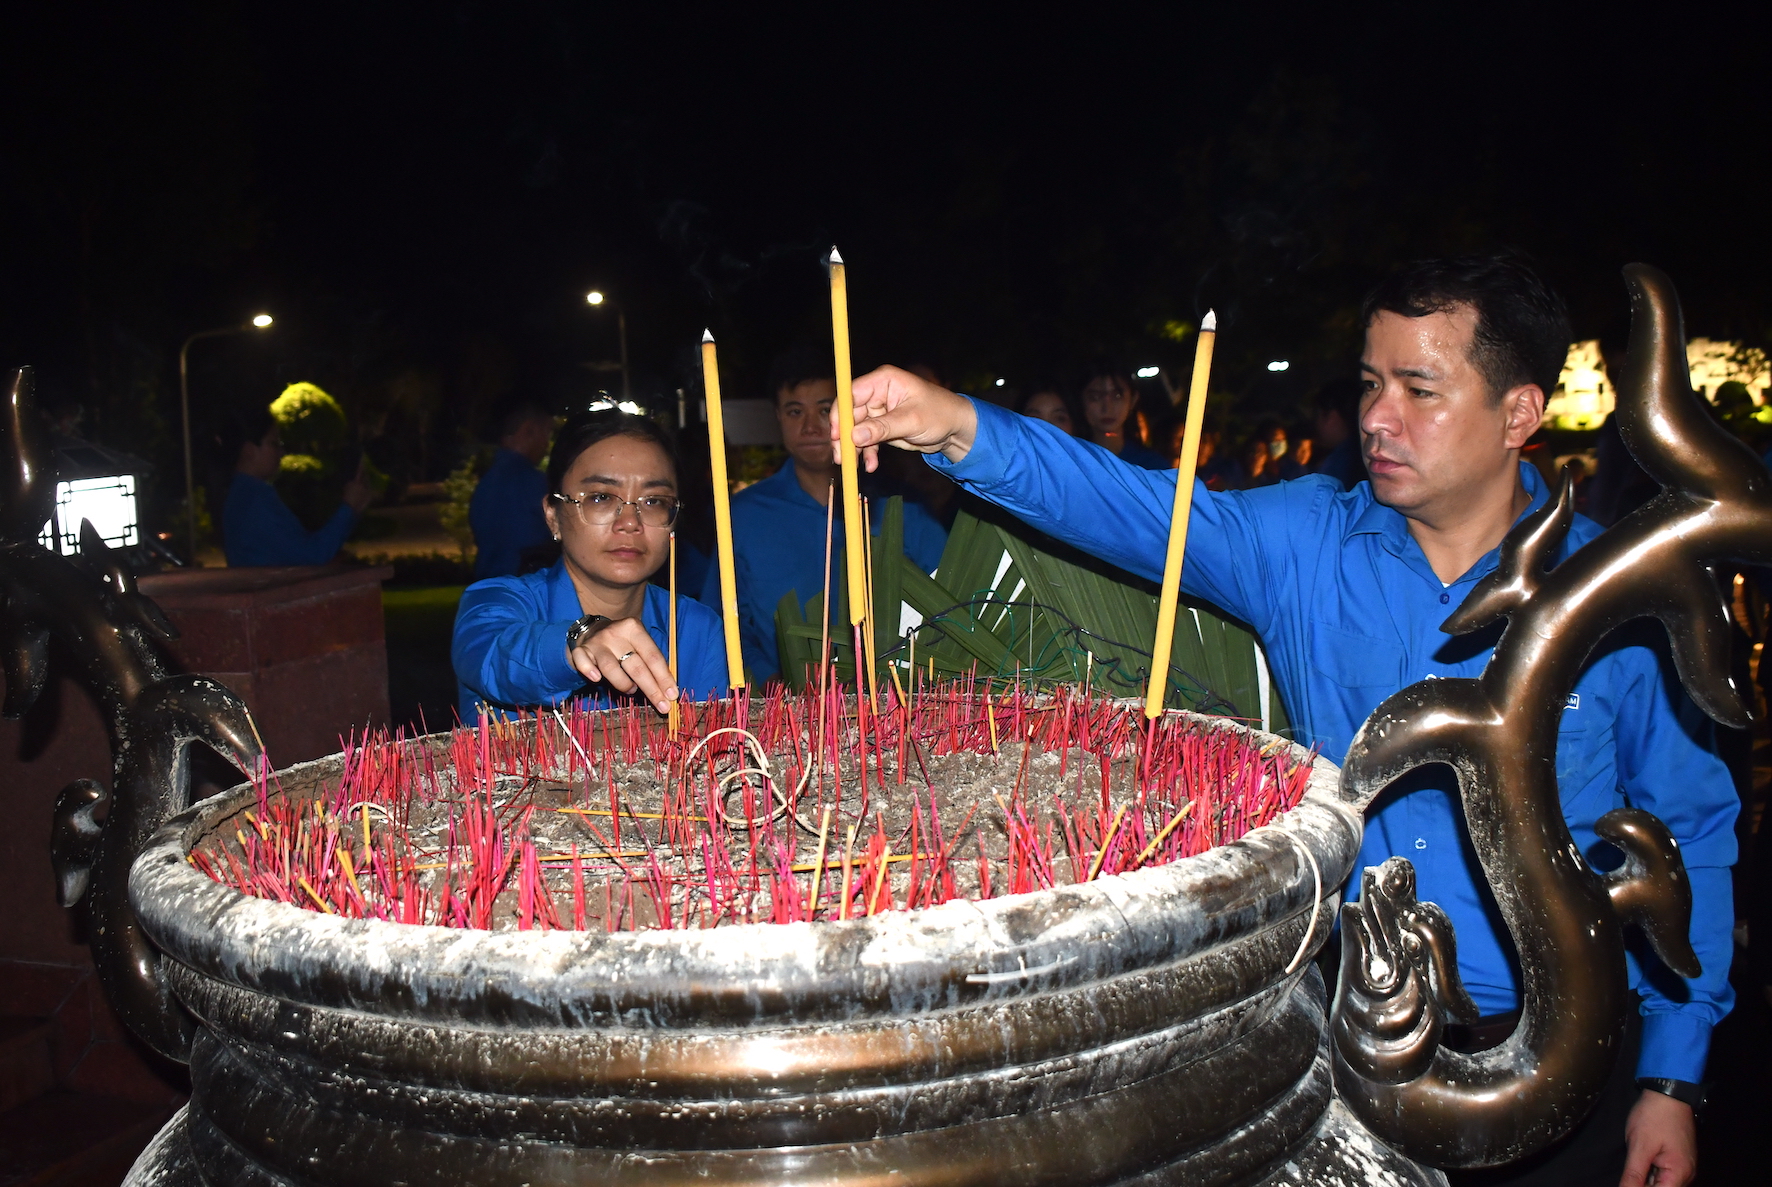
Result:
894,407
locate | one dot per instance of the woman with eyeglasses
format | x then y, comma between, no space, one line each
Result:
591,627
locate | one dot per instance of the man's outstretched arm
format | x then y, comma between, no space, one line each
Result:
1083,495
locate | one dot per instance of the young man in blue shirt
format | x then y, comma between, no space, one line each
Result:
1348,591
778,524
505,511
258,528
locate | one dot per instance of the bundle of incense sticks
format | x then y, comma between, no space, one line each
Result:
778,808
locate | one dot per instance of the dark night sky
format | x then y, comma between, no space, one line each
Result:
422,192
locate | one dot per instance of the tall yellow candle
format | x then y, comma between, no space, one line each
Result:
1184,503
710,377
853,525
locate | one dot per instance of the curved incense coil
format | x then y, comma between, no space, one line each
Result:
1498,732
152,715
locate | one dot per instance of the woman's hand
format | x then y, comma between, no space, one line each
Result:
623,654
894,407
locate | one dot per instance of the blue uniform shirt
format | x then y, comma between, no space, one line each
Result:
258,528
778,533
510,643
505,513
1349,612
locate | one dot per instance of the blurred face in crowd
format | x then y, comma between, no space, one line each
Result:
261,459
1049,407
607,480
803,413
1432,432
531,438
1106,405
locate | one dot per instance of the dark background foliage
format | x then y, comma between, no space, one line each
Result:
422,192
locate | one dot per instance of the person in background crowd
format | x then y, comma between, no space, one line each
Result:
505,511
591,628
1258,465
1338,441
778,524
1348,590
1108,401
1049,406
258,528
695,524
1304,448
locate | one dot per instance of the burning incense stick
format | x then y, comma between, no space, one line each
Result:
710,376
1184,502
853,524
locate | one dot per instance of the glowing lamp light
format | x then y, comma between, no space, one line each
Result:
1278,365
593,298
262,321
108,502
1148,372
631,408
999,383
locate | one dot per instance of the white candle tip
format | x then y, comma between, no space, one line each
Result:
707,335
835,258
1209,323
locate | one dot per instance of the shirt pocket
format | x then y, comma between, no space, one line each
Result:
1355,661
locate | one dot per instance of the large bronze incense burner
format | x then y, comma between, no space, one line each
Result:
1164,1026
1499,734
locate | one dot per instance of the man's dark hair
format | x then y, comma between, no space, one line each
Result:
801,363
520,414
245,426
585,429
1110,370
1522,334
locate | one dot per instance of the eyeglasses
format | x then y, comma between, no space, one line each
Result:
600,508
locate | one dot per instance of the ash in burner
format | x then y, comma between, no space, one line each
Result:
778,809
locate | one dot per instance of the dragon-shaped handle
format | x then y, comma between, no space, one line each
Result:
1498,733
152,714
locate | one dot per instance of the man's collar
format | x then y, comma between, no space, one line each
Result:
1377,519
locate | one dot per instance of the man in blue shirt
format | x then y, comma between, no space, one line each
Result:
1348,590
258,528
778,524
505,510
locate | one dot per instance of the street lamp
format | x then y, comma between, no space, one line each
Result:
621,323
260,322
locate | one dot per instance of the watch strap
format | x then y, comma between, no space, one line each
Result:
590,624
1684,1091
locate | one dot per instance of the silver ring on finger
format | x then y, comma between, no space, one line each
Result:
623,658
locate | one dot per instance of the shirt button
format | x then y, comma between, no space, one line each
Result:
1444,598
1421,842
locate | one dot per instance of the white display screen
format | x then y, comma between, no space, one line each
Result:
108,502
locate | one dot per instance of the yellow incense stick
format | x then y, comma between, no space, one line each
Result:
1101,854
710,377
853,524
824,828
676,712
848,852
1184,502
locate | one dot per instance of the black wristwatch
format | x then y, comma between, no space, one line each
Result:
590,624
1681,1090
